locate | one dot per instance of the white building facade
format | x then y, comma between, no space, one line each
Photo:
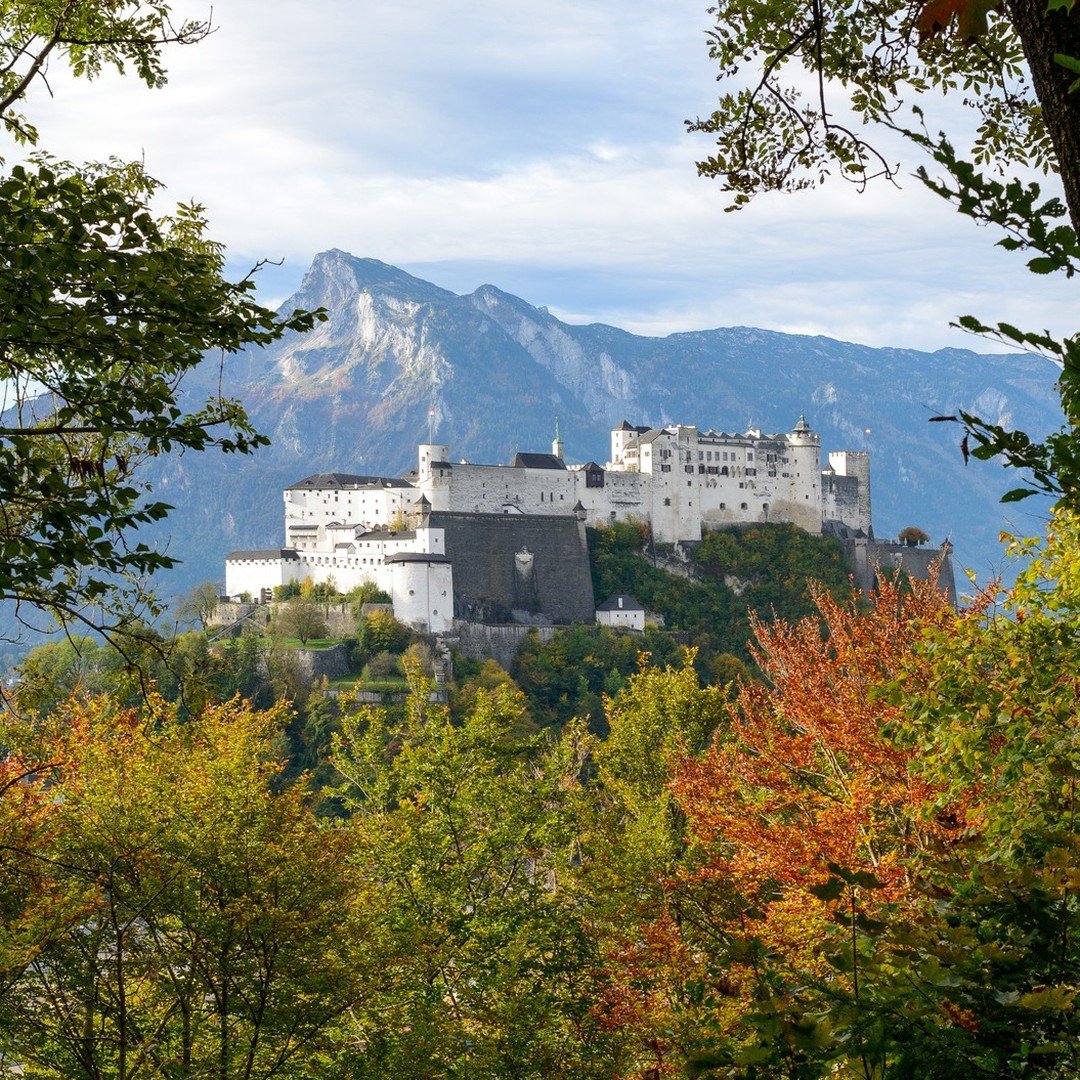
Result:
677,479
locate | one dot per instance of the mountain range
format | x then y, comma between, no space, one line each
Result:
356,394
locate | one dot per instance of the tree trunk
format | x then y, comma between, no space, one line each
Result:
1042,34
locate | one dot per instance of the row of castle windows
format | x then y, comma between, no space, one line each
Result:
707,455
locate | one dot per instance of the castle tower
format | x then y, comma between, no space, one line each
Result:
557,443
856,463
620,436
804,475
433,474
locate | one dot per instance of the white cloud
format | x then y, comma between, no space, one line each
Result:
536,144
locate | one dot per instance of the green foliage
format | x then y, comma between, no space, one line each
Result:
380,631
569,675
464,834
366,593
88,36
212,907
773,565
301,618
105,310
795,70
198,606
1011,70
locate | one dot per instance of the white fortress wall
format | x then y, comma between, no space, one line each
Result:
422,588
252,571
309,509
338,527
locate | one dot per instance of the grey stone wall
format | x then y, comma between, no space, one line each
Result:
867,557
840,499
517,567
482,641
339,617
330,662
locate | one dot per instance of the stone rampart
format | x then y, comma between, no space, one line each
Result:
533,564
482,641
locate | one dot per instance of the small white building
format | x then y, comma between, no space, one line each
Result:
621,610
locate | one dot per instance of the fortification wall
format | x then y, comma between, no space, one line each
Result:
534,564
481,641
868,558
840,500
486,489
330,662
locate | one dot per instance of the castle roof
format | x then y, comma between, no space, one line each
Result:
417,556
620,602
324,480
647,435
538,461
287,554
385,534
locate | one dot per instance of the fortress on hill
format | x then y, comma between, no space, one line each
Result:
502,543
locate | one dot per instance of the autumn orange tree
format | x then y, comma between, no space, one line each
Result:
806,817
886,850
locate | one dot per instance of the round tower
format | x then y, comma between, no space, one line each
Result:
804,475
433,475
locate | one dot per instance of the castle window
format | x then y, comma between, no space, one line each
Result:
667,502
742,506
723,506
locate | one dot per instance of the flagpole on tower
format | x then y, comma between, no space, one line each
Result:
431,425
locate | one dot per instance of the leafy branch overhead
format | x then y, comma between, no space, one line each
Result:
1014,64
105,309
89,35
812,80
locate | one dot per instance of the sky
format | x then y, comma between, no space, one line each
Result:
540,148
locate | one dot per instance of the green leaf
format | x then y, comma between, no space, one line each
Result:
829,890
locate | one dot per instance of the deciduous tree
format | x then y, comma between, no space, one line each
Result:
811,83
106,308
465,833
220,930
